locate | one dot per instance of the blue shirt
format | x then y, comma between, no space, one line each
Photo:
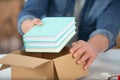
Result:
97,16
102,18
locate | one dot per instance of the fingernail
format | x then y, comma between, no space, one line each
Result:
40,23
71,51
79,62
85,68
75,55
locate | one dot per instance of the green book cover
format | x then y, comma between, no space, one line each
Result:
48,44
52,50
51,30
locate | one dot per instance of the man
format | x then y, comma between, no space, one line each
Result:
98,28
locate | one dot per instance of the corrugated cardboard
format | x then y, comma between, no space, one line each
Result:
43,66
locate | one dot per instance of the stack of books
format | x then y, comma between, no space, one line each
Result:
52,36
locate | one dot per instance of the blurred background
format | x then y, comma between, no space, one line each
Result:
10,39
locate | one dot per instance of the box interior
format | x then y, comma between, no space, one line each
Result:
49,56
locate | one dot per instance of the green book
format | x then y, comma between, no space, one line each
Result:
51,30
52,50
49,44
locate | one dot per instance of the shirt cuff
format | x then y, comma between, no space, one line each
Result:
21,20
108,35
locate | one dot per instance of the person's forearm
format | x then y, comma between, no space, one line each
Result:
99,42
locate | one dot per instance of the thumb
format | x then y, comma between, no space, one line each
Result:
37,21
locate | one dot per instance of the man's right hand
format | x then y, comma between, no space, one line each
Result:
28,24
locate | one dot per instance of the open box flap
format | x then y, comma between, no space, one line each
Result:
21,60
4,66
67,68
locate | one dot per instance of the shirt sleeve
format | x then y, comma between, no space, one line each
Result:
108,23
32,9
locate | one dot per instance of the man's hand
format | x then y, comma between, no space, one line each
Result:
28,24
84,51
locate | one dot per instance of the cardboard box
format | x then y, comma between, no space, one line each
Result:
43,66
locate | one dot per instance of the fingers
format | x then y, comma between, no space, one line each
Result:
83,58
80,51
36,21
83,51
77,45
28,24
89,62
86,57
